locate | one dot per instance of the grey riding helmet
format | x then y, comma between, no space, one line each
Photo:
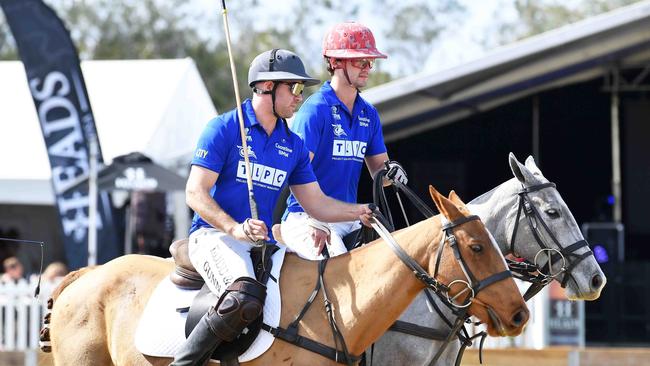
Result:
278,64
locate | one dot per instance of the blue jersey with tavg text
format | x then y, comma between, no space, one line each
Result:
275,160
340,140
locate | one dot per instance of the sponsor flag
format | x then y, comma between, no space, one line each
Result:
57,87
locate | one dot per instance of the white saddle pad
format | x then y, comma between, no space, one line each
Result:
161,331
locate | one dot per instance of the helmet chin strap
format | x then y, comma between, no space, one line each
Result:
275,86
272,92
345,72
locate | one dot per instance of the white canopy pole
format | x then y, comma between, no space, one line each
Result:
92,202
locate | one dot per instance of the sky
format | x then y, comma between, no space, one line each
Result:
468,42
456,46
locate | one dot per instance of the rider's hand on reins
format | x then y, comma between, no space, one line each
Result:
366,214
396,172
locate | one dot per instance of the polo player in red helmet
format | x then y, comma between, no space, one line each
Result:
341,130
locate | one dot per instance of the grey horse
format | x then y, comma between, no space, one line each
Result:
498,209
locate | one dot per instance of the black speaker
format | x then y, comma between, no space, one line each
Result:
606,239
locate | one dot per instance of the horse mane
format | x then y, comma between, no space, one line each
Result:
487,195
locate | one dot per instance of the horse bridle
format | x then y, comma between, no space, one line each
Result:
525,270
472,285
441,290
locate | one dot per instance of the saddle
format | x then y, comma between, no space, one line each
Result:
359,237
186,277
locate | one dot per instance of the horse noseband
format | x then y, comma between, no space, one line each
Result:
565,254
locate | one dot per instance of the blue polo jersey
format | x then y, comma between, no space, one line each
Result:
275,160
340,140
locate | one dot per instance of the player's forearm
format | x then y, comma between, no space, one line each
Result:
209,210
332,210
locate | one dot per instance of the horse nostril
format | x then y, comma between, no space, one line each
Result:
596,282
520,318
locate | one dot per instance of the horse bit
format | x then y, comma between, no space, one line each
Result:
460,310
521,270
524,270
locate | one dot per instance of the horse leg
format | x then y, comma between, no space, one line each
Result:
79,334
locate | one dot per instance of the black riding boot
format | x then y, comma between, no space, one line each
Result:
239,306
200,344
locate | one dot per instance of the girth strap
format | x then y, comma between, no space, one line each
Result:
290,334
308,344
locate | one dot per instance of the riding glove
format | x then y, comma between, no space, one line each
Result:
396,172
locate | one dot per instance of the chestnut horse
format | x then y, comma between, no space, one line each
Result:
94,318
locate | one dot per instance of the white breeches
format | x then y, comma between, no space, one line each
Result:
296,234
219,258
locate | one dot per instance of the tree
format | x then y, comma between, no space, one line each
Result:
536,16
7,45
405,30
146,29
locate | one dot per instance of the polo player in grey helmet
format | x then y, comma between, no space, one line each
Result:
222,231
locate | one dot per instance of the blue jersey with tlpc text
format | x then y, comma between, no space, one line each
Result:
340,141
275,160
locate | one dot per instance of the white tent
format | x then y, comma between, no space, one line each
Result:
157,107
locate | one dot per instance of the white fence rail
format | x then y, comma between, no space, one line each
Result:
21,315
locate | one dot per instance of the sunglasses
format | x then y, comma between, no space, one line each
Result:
296,88
362,63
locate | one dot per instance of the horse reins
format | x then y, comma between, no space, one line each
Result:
456,328
441,290
472,285
525,270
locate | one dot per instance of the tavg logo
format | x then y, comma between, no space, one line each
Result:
348,149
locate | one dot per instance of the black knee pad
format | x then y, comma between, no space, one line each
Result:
240,304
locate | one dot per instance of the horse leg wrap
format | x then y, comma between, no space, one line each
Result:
239,306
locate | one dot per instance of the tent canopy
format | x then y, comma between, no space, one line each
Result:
157,107
134,172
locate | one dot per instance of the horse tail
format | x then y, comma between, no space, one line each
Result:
44,340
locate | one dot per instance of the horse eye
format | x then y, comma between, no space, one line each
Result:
476,248
552,212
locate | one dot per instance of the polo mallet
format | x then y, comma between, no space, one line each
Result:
240,115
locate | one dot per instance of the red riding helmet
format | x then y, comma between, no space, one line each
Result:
350,40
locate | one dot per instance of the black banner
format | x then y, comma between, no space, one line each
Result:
58,89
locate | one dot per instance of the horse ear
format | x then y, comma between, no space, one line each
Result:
444,205
520,171
530,164
455,199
